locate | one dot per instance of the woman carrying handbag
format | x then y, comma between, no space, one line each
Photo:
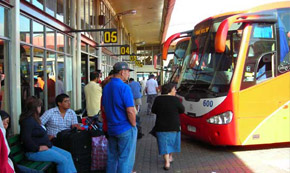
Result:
167,108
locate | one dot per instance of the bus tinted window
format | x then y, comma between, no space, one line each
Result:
262,31
261,53
283,29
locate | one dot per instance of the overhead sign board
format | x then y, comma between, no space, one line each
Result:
138,63
134,59
125,50
110,37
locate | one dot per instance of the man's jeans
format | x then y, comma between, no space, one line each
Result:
121,152
62,158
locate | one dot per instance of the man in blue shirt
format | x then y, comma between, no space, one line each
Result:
120,113
136,90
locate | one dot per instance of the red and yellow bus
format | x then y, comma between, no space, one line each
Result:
235,78
172,71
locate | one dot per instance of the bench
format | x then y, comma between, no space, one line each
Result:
17,154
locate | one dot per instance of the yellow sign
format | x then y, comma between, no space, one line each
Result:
201,31
110,37
133,58
138,63
125,50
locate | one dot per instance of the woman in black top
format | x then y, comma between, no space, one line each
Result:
36,142
167,108
6,123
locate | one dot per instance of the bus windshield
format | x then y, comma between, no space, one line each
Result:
206,73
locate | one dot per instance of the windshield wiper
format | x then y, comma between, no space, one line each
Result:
188,82
194,69
205,73
178,57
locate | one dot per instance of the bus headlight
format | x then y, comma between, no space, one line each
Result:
224,118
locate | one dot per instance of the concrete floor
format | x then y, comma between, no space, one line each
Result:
199,157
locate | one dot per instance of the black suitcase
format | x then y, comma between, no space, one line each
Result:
76,142
82,162
79,144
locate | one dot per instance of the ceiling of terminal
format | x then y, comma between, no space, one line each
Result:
146,24
153,17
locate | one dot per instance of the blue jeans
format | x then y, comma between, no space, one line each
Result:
62,158
24,169
121,152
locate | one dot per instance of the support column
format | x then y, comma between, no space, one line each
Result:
74,51
13,75
120,30
99,39
78,59
99,58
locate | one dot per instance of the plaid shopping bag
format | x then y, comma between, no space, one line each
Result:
99,153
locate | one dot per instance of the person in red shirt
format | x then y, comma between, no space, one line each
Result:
50,90
103,83
100,75
6,164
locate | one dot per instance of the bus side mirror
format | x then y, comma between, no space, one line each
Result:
221,36
167,43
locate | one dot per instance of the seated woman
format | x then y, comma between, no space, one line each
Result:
35,139
5,117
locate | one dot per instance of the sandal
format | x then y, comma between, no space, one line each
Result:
166,168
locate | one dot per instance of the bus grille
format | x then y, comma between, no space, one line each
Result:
191,114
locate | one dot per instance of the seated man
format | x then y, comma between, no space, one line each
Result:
60,117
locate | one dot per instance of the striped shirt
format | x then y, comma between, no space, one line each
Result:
54,122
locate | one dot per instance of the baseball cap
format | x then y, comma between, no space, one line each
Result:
121,66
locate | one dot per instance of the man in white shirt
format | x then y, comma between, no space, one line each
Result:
143,85
151,90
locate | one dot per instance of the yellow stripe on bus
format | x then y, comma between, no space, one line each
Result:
274,129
